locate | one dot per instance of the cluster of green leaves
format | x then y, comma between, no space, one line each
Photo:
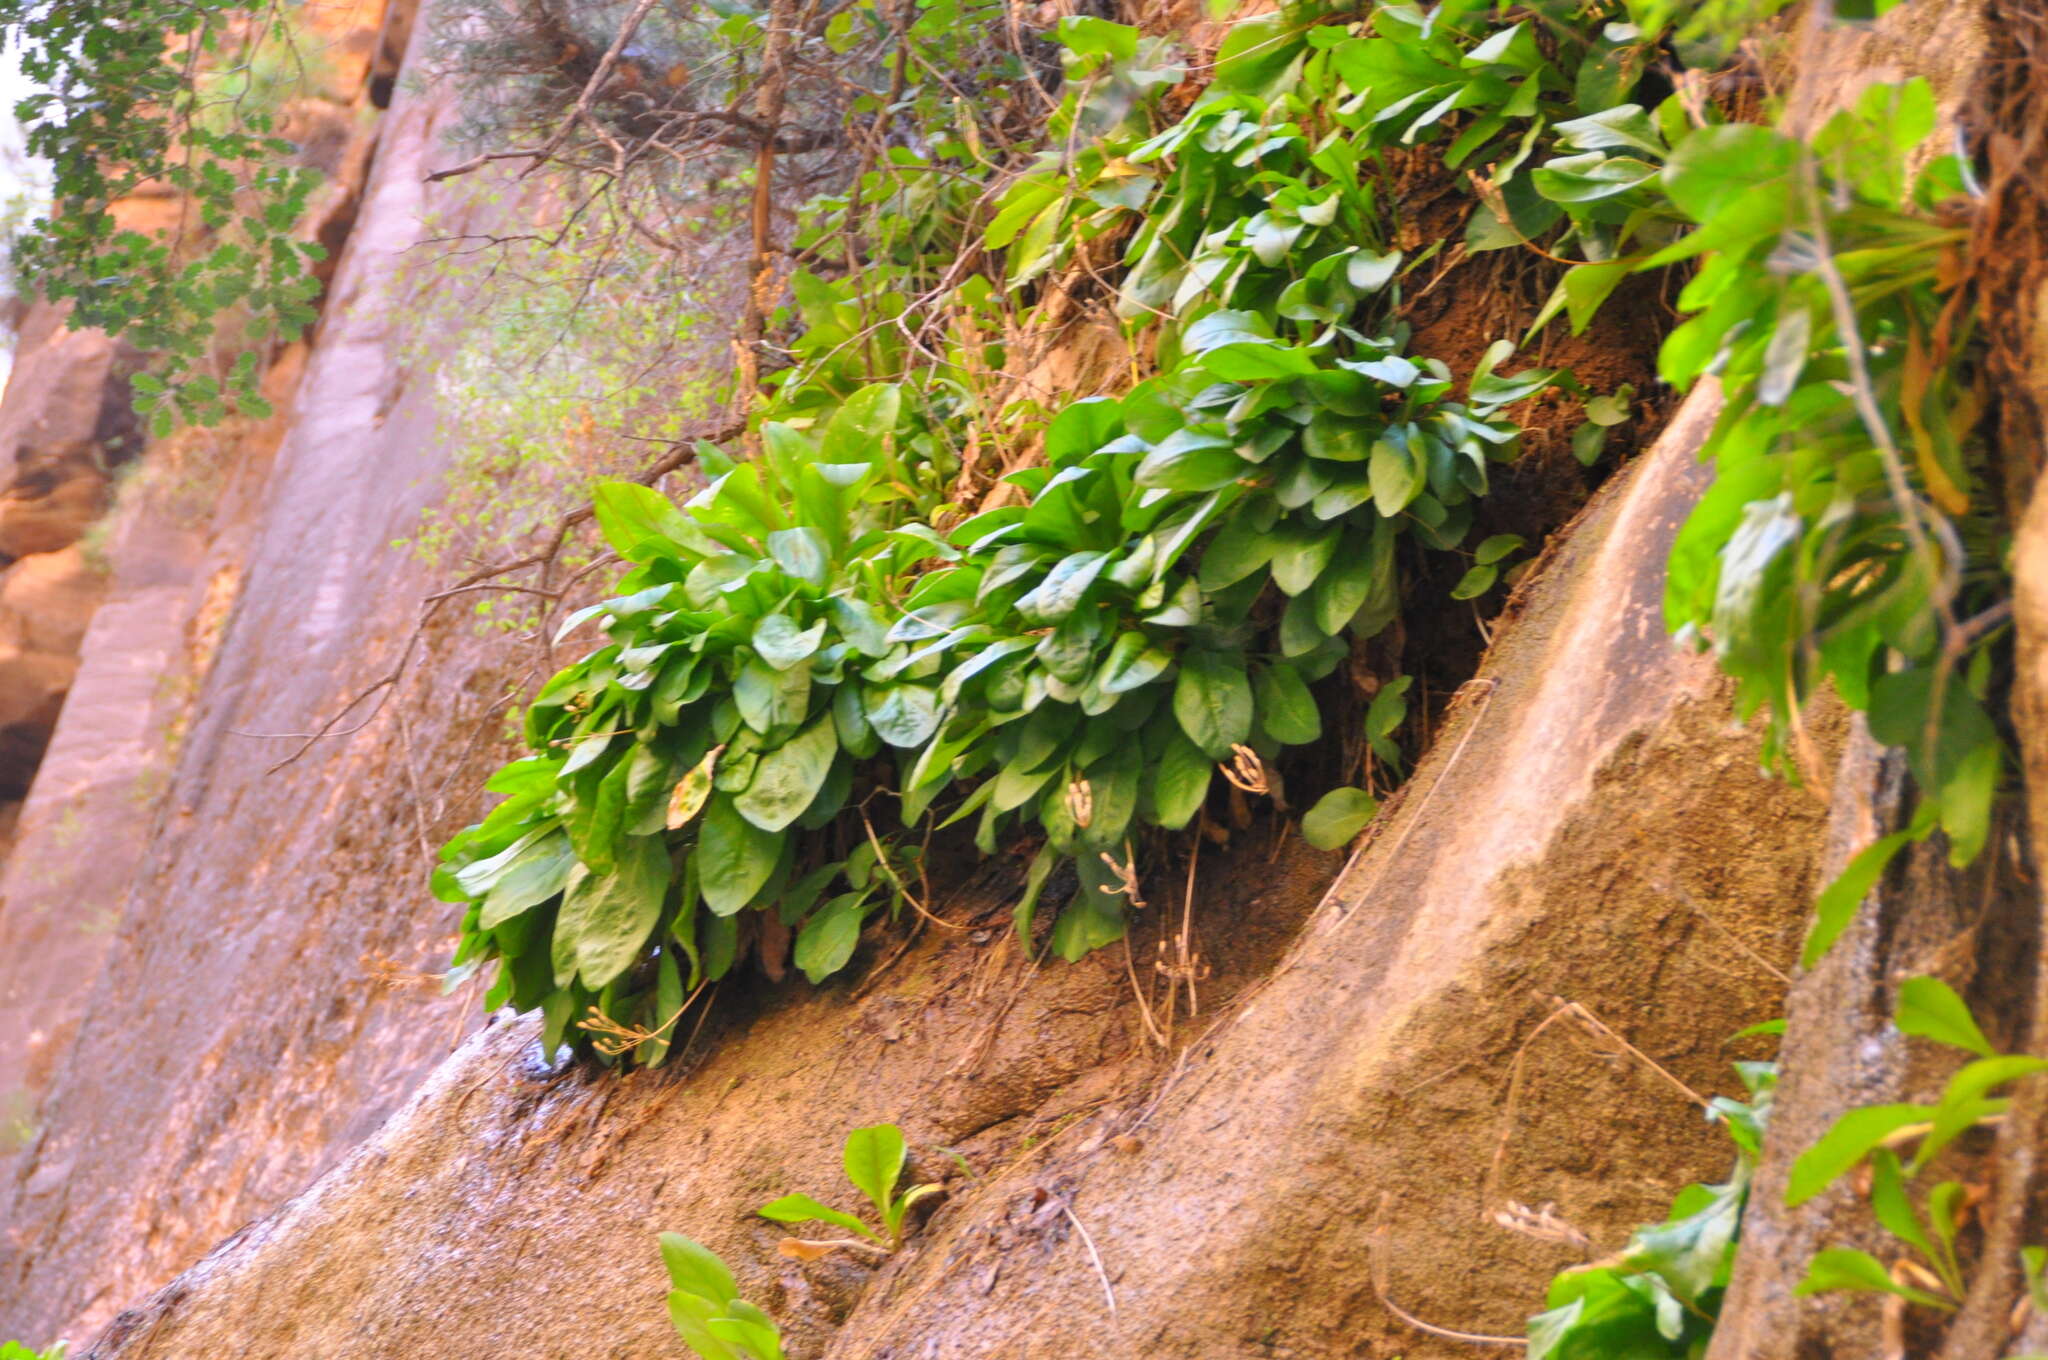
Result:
1927,1008
1189,560
14,1350
1848,537
874,1158
118,108
705,1305
1662,1295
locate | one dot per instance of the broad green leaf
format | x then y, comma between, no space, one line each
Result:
755,1338
608,917
1343,588
1369,272
734,857
804,1209
1026,199
697,1269
874,1159
861,425
1625,126
830,936
1212,699
1396,477
1286,709
1715,166
692,1315
1337,816
1838,903
782,644
1191,467
1474,583
1389,707
639,522
769,698
1035,875
1847,1268
1179,782
1300,552
1063,587
1094,918
1889,1203
1930,1008
539,872
1495,548
1785,356
902,715
1086,36
1846,1144
1963,1104
1239,548
801,552
1132,663
788,778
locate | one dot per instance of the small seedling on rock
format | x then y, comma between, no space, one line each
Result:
706,1307
874,1163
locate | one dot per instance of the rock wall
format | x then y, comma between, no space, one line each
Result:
1569,839
249,1136
139,781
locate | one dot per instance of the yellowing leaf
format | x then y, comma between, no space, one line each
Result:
688,799
1913,383
806,1249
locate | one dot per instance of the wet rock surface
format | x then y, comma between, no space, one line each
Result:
244,1132
1266,1162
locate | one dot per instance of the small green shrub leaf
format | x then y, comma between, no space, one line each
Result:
1858,1271
1845,1145
1337,816
804,1209
1212,699
874,1159
697,1270
1930,1008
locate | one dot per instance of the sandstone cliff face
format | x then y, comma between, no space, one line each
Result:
1341,1118
248,1128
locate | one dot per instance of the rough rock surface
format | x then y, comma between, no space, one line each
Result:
1570,837
1365,1088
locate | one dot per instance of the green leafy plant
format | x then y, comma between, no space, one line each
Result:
1927,1008
14,1350
874,1160
1661,1295
705,1305
156,94
822,622
1848,539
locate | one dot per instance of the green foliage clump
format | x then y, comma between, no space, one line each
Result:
119,109
1871,1135
1848,538
820,626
